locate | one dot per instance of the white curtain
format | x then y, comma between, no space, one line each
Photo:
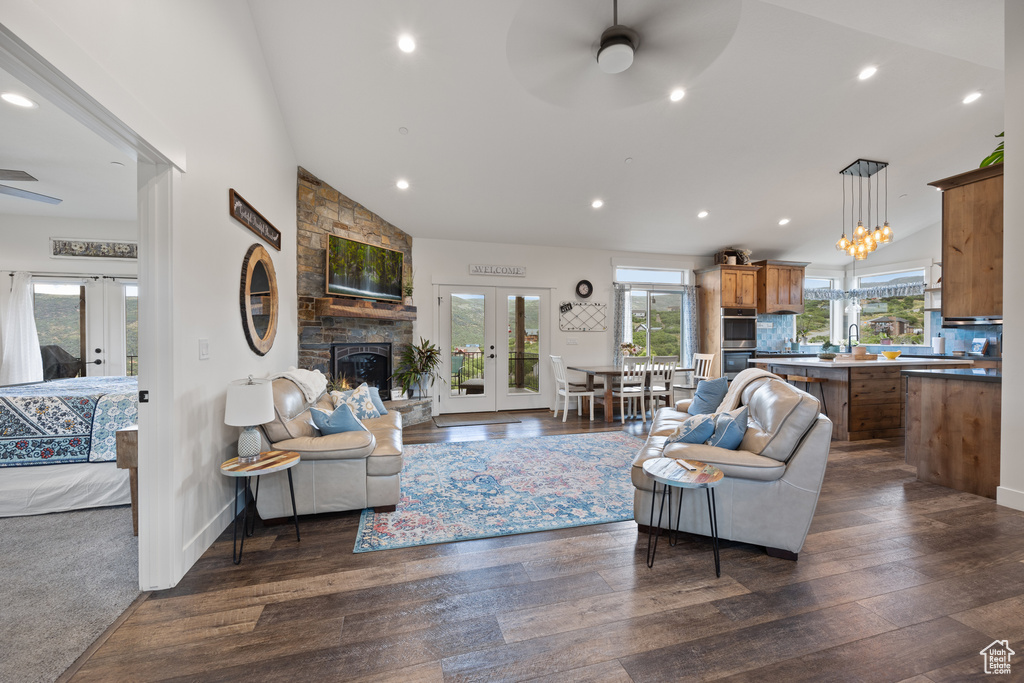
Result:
21,360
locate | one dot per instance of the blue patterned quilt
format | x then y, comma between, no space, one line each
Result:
66,420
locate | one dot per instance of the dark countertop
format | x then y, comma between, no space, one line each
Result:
974,374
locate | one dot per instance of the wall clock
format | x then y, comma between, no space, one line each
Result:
584,289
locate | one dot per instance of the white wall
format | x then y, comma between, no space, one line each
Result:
26,245
189,77
447,262
1011,476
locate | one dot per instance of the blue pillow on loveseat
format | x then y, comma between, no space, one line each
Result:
730,427
709,395
341,420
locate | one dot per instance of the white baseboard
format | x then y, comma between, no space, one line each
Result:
199,543
1010,498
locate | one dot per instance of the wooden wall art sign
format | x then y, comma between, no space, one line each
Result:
243,212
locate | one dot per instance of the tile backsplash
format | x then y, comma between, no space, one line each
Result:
774,338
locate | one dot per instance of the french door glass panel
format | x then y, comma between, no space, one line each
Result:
131,329
494,340
60,323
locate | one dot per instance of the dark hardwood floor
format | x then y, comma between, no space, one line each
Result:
898,580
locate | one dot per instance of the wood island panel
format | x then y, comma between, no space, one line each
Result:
953,433
863,402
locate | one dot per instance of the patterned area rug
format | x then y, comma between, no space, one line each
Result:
481,489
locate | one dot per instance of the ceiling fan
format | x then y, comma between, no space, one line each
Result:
659,46
11,175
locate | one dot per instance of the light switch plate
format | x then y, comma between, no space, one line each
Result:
204,349
571,341
765,326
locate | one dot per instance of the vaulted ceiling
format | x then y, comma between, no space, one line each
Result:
506,130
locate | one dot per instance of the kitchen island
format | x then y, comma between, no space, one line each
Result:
864,398
953,427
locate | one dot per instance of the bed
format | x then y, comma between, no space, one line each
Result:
58,445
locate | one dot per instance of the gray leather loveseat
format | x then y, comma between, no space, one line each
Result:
772,481
347,471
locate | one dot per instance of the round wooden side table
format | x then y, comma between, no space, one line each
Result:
268,463
672,473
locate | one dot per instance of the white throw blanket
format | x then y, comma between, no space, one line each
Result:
312,382
736,387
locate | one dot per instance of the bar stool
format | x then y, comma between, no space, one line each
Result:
820,381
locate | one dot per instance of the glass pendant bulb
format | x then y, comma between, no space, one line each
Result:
851,250
877,235
886,233
861,230
872,245
843,243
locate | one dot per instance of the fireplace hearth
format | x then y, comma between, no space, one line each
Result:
358,363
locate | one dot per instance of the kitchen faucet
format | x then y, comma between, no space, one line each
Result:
849,338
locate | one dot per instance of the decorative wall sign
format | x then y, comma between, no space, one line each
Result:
582,316
78,248
509,271
243,212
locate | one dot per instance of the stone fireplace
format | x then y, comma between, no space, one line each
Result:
345,336
358,363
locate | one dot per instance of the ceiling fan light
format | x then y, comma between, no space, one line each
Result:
615,57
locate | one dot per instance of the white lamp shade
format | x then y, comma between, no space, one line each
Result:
250,402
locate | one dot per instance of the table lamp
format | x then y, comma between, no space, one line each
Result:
250,403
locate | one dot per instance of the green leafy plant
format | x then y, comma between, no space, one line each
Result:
407,286
418,364
996,157
826,346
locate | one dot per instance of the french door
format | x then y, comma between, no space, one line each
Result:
493,340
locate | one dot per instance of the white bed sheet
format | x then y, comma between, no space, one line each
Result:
58,488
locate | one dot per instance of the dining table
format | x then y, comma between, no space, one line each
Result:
609,372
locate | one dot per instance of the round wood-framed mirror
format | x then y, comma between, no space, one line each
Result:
258,299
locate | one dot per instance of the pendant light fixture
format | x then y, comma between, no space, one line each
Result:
863,240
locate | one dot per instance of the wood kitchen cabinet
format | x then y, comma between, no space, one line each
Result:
972,243
780,287
739,286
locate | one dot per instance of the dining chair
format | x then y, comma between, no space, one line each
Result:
631,385
702,364
662,374
563,390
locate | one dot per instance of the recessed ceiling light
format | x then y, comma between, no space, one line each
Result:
116,163
402,184
702,214
784,221
403,130
629,160
867,72
597,203
406,43
18,100
972,97
677,94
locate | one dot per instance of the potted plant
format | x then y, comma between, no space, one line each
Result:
826,352
407,291
418,367
885,340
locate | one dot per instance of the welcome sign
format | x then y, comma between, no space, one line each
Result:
508,271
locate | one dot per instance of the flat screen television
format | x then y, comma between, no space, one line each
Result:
363,270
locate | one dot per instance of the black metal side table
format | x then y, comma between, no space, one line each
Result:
268,463
672,473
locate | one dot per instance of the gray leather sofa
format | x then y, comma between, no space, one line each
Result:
347,471
772,481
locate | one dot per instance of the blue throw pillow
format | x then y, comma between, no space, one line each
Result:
730,427
341,420
696,429
709,395
377,403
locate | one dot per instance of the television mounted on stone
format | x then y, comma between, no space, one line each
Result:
362,270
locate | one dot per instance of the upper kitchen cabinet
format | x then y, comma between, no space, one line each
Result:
739,286
780,287
972,243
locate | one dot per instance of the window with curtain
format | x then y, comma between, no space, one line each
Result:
891,307
656,312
